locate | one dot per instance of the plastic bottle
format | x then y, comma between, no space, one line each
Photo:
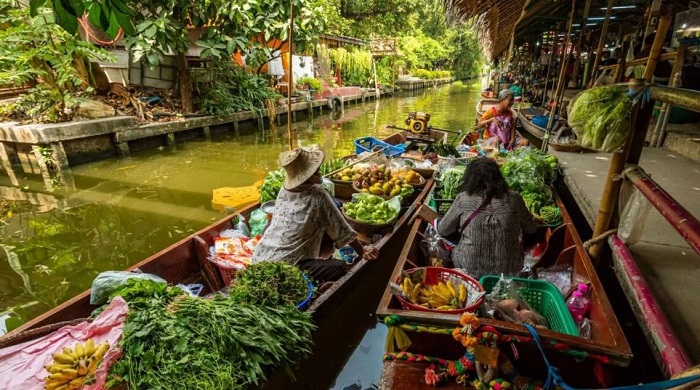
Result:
577,306
583,287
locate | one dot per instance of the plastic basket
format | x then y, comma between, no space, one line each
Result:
544,298
434,275
227,269
371,144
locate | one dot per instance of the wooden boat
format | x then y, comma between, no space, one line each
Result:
487,94
484,104
186,262
607,348
525,119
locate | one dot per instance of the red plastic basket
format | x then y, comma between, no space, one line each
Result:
435,275
227,269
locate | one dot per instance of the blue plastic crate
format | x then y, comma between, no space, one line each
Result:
542,120
371,144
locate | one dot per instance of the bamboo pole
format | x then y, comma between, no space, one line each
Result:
632,148
290,75
586,9
560,82
657,137
622,65
601,41
653,12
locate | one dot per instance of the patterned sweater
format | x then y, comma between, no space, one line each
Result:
491,243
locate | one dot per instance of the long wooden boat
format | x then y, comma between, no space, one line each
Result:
483,105
525,120
577,358
186,262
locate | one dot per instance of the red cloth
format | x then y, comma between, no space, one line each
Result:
22,365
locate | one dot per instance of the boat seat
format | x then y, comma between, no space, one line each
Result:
554,245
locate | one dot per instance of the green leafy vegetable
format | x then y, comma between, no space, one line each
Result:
529,172
550,215
600,117
450,178
269,283
271,185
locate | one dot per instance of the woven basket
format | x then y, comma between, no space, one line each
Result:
366,228
343,189
435,275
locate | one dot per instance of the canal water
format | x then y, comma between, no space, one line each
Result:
122,210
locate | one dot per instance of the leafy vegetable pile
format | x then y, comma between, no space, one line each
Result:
600,117
172,340
551,215
450,178
271,185
529,172
269,283
371,209
333,165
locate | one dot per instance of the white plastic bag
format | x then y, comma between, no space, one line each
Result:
634,215
107,282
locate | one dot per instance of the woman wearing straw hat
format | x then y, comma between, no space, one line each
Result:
304,212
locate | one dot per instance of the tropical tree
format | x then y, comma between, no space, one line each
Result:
156,28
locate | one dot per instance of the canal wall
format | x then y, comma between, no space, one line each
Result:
50,149
415,85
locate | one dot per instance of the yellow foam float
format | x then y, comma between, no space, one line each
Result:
235,197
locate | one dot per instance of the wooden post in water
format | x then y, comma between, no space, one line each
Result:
601,42
290,76
560,82
632,148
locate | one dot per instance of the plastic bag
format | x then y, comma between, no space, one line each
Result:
258,222
192,289
600,117
634,215
585,329
505,302
106,282
328,186
558,275
436,249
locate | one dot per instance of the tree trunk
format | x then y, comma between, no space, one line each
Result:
185,82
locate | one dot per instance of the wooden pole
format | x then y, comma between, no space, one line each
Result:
620,70
586,9
290,75
657,139
601,41
562,76
632,148
653,12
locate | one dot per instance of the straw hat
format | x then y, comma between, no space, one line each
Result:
300,164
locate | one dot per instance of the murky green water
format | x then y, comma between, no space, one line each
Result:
53,243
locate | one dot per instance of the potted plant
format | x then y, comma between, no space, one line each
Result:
306,82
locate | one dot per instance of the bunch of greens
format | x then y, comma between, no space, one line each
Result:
550,215
450,178
529,172
600,117
271,185
176,341
333,165
269,283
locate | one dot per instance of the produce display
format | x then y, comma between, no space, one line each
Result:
172,340
370,209
600,117
332,165
450,179
444,149
74,367
441,296
271,185
530,172
378,180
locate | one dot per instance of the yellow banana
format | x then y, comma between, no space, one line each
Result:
71,353
79,351
55,367
445,290
63,358
451,287
82,368
76,383
70,373
92,366
462,294
101,350
89,348
416,290
445,307
59,377
56,386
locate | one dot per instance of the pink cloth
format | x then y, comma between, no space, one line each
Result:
22,365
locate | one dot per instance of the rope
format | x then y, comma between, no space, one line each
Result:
84,22
555,380
595,240
414,357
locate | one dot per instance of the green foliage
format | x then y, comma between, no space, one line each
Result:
35,52
231,90
420,51
467,57
313,83
271,284
424,74
371,18
355,65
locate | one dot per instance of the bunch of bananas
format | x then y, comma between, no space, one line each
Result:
72,367
441,296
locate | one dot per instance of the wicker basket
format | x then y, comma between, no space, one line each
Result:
343,189
435,275
385,197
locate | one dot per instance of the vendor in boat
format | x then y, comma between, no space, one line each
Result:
517,91
490,220
304,212
499,124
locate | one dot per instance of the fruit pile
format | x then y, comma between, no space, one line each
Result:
408,176
73,367
370,209
441,296
380,181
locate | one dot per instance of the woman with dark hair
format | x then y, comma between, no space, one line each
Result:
490,219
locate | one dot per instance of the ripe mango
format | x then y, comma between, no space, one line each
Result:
376,191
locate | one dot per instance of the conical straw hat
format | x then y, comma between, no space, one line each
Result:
300,164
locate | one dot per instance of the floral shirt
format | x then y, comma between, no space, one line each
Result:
299,221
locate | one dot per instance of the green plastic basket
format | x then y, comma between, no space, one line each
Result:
544,298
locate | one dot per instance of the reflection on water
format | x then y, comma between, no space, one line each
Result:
53,243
